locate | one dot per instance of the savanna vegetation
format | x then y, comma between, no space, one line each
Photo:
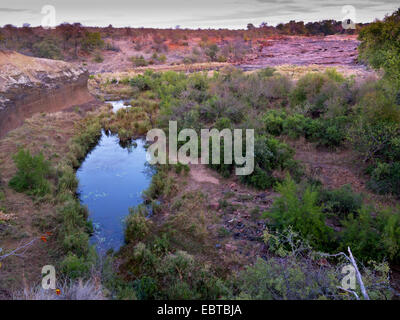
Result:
171,251
327,110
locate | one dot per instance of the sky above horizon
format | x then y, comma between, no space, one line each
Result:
233,14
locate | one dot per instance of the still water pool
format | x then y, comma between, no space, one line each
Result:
111,180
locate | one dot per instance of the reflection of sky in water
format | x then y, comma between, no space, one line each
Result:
111,180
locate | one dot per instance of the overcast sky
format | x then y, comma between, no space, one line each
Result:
189,13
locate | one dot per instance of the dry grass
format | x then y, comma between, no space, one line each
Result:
68,290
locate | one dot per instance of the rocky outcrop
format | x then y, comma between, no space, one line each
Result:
31,85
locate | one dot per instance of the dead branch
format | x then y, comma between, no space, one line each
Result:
359,278
19,251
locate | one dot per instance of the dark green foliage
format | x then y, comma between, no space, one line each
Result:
372,234
259,179
389,225
269,154
92,41
211,51
362,236
300,210
32,174
380,45
385,178
294,125
273,121
327,132
321,93
145,288
47,48
176,276
161,186
67,180
341,202
137,227
74,267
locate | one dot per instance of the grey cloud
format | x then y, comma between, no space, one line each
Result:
13,10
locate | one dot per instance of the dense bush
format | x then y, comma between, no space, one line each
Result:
173,276
47,48
92,41
32,174
341,202
137,226
300,210
289,279
273,121
327,132
385,178
362,236
380,46
318,93
295,273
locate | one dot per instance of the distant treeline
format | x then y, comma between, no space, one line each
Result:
75,37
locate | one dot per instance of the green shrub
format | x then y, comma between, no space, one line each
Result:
177,276
273,121
300,210
211,51
184,278
146,288
92,41
294,125
307,87
341,201
269,154
259,179
389,224
137,227
385,178
161,186
32,174
360,233
74,267
332,132
47,48
67,181
380,46
376,141
223,123
290,279
316,93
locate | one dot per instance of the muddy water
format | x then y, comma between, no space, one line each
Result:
111,180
